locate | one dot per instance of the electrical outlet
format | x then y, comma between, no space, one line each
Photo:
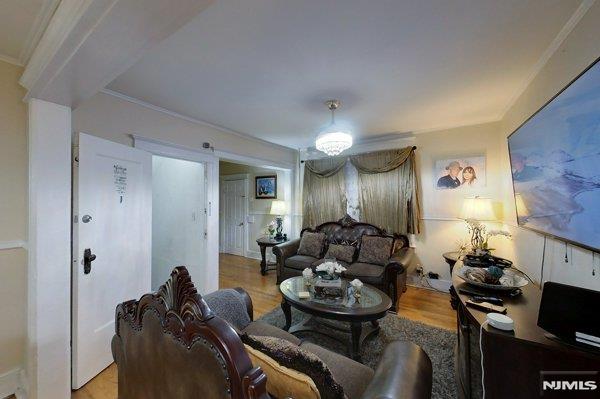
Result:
419,270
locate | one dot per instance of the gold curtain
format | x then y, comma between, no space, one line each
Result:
323,192
388,189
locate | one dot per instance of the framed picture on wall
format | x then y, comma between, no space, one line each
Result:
266,187
460,173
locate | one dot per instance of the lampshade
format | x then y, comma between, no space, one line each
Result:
278,208
477,209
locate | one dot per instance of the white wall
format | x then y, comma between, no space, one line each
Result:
258,209
178,218
116,119
49,281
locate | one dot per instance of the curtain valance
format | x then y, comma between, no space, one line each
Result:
381,161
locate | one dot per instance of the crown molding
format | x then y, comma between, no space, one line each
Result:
37,29
66,17
548,53
88,43
174,114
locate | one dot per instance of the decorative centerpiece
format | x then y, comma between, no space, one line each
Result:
330,270
329,284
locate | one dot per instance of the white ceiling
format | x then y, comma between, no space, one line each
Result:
264,67
22,23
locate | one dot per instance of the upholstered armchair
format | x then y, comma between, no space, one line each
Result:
176,344
389,277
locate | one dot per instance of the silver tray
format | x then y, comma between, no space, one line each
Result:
518,280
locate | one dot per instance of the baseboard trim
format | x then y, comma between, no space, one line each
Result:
253,255
11,383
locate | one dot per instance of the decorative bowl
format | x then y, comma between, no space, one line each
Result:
508,282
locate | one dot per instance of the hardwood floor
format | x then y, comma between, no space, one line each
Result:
427,306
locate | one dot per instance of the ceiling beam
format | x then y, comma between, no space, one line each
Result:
88,43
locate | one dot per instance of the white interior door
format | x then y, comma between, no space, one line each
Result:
233,211
112,215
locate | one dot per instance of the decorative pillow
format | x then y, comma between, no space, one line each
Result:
283,382
375,249
341,252
293,357
311,244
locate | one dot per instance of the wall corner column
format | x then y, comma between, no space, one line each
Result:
48,357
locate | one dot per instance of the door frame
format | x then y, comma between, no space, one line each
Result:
209,282
246,178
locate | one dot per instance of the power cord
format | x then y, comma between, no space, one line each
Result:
481,352
429,284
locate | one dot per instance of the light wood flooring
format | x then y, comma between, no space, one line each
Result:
418,304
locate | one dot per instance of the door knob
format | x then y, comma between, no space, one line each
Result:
88,258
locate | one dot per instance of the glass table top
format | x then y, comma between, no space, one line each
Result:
369,298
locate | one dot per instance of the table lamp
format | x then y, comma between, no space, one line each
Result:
278,208
474,211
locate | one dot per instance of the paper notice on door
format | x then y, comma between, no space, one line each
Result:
120,180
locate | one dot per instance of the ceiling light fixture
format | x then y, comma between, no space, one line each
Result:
334,139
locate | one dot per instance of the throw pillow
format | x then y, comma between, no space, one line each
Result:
375,249
311,244
293,357
341,252
283,382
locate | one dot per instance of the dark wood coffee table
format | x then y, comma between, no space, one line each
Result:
372,306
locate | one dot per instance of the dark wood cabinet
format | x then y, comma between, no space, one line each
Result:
512,361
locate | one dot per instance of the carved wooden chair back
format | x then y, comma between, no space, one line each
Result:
169,344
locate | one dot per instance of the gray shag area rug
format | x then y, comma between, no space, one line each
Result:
438,343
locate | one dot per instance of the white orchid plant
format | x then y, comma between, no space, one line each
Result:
494,233
332,268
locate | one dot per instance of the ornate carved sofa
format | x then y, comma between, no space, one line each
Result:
171,344
390,278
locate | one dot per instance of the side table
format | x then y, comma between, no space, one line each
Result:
264,243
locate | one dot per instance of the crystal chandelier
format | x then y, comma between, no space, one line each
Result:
333,140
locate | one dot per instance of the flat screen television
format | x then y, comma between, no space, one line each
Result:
555,164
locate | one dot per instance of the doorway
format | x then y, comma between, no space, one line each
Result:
178,217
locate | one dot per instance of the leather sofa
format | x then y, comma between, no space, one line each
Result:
176,344
390,278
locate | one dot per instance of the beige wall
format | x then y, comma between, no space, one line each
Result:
258,209
441,208
13,218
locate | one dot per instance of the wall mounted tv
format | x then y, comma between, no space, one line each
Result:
555,162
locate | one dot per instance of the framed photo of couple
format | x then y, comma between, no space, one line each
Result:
460,173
